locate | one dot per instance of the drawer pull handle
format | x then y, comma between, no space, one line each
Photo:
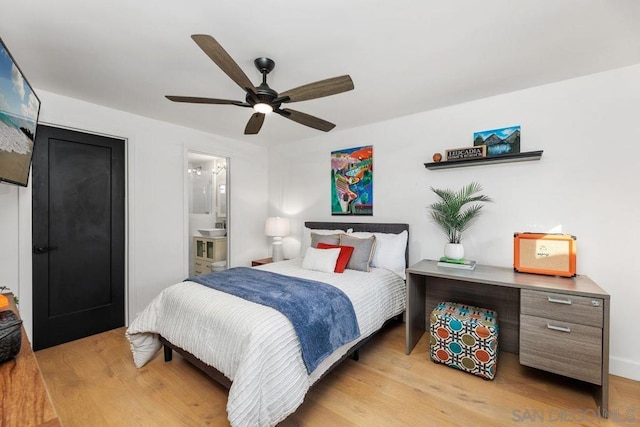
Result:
558,328
559,301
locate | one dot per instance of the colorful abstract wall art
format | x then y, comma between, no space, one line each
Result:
352,181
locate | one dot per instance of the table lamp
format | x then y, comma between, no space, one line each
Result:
277,228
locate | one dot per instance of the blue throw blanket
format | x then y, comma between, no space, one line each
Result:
321,314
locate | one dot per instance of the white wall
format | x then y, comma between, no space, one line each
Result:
585,184
9,236
156,196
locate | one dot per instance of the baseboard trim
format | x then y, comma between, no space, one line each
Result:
624,368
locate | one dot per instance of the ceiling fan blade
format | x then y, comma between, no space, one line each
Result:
319,89
198,100
216,52
306,119
254,124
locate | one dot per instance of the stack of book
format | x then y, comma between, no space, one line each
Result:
463,264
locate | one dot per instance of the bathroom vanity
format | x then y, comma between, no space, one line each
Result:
207,250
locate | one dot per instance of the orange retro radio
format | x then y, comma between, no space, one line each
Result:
540,253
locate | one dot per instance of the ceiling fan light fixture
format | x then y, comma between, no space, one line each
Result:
263,108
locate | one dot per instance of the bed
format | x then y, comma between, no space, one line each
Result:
254,350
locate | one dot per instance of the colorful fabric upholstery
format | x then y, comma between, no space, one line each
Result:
465,337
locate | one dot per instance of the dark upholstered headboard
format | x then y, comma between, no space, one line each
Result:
372,227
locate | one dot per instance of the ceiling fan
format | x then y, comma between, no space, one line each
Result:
263,99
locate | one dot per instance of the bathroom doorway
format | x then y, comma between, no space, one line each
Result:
208,207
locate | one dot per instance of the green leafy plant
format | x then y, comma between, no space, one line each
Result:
455,210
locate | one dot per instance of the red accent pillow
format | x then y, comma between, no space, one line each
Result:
343,258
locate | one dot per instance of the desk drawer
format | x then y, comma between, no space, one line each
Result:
564,348
564,307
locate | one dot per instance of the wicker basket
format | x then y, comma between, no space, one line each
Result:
10,335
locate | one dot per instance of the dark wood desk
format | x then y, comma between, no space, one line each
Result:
556,324
24,399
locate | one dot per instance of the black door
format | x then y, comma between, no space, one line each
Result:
78,235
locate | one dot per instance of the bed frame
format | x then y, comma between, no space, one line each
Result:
352,352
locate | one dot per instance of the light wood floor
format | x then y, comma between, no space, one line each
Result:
93,382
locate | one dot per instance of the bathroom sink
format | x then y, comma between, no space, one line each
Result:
212,232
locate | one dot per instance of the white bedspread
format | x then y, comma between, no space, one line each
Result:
256,346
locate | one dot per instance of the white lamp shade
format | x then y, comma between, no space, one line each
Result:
277,227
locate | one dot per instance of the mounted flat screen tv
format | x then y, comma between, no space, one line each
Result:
19,110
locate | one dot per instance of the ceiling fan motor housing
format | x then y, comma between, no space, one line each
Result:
264,93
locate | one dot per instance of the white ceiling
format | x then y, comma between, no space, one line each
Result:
404,56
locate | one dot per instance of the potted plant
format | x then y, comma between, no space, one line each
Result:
454,212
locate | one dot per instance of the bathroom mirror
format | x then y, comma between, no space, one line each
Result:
207,180
200,194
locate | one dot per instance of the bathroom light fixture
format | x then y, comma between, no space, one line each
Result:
277,228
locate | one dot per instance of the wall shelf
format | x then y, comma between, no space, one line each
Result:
504,158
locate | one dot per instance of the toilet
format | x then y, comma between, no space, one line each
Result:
218,266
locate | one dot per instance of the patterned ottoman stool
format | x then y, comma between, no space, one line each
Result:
465,337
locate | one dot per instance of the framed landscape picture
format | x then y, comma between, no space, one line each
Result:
19,110
499,141
352,181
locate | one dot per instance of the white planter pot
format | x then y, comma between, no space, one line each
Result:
454,250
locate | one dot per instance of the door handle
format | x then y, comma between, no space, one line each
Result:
43,249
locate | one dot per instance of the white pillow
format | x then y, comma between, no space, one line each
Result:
321,259
306,236
389,250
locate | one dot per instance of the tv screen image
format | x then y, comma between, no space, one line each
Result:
19,110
